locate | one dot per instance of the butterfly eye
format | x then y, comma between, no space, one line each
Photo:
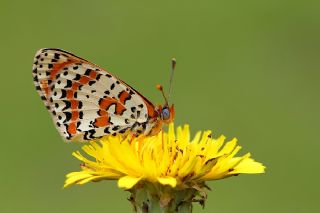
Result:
165,113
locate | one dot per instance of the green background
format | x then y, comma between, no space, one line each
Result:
246,69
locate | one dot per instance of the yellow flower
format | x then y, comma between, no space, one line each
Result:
171,160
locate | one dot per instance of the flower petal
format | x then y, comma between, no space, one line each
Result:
168,181
127,182
249,166
75,177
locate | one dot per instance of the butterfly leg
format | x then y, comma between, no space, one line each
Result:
162,136
133,136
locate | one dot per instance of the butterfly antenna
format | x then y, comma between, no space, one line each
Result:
173,66
160,88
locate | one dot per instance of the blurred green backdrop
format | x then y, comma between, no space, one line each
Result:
246,69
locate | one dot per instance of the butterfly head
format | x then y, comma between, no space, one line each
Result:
167,113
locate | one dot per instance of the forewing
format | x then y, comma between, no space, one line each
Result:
86,101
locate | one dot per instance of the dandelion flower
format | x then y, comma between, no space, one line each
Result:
165,172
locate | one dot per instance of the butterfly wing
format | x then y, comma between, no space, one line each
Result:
86,101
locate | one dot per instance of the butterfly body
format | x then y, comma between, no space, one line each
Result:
87,102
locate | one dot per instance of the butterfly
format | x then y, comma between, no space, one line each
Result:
87,102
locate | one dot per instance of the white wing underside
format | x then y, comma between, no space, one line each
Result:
58,75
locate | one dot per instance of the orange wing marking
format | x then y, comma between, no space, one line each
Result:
124,96
107,102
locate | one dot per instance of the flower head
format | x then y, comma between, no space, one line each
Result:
165,172
171,159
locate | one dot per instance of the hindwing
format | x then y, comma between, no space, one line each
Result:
86,101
